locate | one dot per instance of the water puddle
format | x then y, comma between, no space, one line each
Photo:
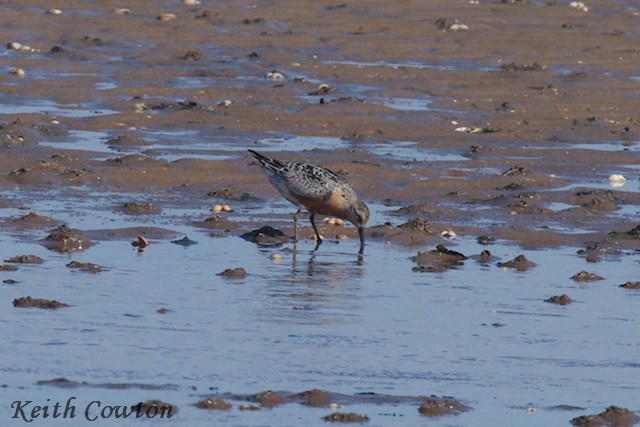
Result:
408,104
606,146
452,65
84,140
40,106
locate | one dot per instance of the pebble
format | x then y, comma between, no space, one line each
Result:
579,5
617,180
450,234
226,208
276,257
139,107
334,221
225,103
121,11
274,75
191,2
18,72
459,27
54,12
18,46
252,407
166,16
216,208
141,243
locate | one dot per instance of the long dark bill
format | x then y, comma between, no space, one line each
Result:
361,233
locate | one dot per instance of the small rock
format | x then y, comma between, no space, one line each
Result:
7,267
14,46
559,299
343,417
166,16
449,234
274,75
617,180
54,12
276,257
323,89
141,243
18,72
234,273
121,11
585,276
9,282
27,302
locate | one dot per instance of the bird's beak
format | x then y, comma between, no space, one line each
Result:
361,233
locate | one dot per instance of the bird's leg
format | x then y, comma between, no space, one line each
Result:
361,233
313,223
295,226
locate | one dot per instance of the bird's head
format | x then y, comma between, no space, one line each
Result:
359,214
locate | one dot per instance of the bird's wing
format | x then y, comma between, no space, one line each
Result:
314,182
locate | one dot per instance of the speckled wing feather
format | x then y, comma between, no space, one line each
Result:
315,182
303,179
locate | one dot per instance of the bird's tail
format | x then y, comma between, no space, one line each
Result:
267,162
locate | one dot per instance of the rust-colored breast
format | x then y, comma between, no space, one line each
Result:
333,206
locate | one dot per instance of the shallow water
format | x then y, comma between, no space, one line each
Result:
320,319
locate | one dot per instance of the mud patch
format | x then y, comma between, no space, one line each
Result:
559,299
612,416
85,266
437,407
585,276
234,273
214,403
346,417
140,208
66,240
28,302
25,259
266,236
438,260
520,263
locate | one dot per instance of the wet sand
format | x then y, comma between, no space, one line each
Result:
126,125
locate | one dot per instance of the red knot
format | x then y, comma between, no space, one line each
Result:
316,189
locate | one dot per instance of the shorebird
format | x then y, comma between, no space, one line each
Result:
316,189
